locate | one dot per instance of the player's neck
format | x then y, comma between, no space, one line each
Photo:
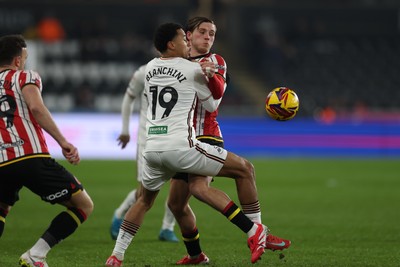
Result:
194,53
8,67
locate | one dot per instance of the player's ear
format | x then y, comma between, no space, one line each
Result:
17,61
188,35
171,45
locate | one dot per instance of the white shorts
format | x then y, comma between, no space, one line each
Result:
203,159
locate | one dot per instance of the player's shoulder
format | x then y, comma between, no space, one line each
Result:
140,72
29,77
218,58
31,73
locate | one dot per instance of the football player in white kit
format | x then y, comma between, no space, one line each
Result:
134,92
172,86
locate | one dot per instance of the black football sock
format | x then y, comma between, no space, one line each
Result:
237,217
3,215
63,225
192,242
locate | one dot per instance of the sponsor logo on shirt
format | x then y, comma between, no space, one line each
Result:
158,130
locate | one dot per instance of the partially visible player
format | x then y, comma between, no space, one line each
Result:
25,160
135,91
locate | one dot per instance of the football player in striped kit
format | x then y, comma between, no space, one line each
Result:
201,32
25,160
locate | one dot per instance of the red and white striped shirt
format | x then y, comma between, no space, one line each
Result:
205,122
20,135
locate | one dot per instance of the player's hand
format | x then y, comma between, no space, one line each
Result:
71,153
208,68
123,140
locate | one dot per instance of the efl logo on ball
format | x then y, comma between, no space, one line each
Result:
282,104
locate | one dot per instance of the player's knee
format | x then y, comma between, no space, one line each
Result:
249,169
245,170
88,206
198,191
85,204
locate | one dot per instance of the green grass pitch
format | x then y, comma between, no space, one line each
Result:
336,212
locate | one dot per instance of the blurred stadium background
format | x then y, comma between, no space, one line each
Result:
342,57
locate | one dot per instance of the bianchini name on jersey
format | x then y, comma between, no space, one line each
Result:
166,71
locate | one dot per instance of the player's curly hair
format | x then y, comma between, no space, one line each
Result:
165,33
195,22
10,47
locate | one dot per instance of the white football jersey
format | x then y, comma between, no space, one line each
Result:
136,89
171,88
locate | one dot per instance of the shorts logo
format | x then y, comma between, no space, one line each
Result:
219,149
57,195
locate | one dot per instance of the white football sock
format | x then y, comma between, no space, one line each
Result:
40,249
169,219
126,204
121,245
254,217
252,230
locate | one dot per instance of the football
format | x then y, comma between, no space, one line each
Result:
282,104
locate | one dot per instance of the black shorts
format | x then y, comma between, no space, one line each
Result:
215,141
43,176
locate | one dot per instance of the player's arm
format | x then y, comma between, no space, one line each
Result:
217,86
34,101
216,82
126,111
204,94
135,88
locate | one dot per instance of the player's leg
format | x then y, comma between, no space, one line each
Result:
179,204
168,224
152,180
243,172
55,184
4,210
120,212
130,199
221,202
10,185
205,159
217,161
130,226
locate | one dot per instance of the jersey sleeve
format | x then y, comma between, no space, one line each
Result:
217,83
30,77
203,92
136,84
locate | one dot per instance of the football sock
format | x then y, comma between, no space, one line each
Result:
192,242
126,204
63,225
253,230
126,233
3,215
237,217
252,211
169,219
40,249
